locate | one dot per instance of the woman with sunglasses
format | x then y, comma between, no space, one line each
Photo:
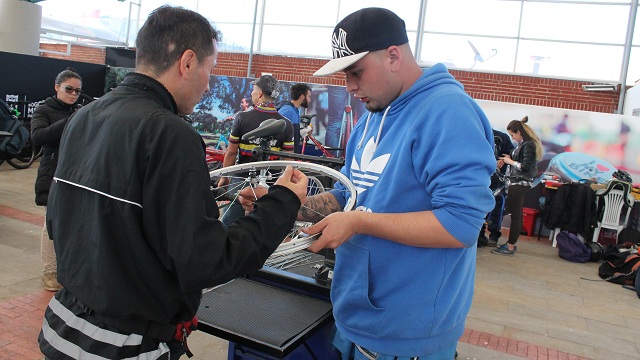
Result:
47,123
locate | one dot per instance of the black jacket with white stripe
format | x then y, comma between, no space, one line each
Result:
135,226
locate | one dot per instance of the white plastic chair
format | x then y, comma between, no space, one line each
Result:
616,198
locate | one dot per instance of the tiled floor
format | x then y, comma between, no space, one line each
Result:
533,305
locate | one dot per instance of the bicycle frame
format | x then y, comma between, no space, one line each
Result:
263,154
317,143
213,155
307,129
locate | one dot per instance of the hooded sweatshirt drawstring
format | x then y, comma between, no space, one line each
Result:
366,125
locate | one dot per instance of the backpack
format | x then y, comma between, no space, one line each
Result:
621,271
629,235
571,248
11,144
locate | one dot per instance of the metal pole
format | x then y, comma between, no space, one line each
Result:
633,10
253,36
139,3
128,24
420,33
515,60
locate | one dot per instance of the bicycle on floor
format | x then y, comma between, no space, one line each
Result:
321,171
26,155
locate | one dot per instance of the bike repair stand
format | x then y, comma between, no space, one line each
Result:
324,273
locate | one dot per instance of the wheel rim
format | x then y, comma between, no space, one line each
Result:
23,161
266,173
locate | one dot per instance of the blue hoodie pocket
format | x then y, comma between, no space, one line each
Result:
352,305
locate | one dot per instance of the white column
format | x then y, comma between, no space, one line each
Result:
20,27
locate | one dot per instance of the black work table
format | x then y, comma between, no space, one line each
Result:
272,312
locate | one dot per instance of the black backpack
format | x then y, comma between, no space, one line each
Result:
621,271
629,235
13,134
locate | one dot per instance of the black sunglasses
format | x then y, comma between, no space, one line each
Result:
70,90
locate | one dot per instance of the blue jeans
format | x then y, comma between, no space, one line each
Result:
495,218
337,102
349,350
235,211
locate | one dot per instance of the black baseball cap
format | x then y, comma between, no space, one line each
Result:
269,85
368,29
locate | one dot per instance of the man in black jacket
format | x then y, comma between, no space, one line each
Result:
134,223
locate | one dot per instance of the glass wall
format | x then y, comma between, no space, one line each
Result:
579,39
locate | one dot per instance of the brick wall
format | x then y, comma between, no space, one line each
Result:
519,89
78,53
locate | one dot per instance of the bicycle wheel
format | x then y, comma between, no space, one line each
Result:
265,173
315,186
27,156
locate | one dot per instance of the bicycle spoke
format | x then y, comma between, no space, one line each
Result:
265,173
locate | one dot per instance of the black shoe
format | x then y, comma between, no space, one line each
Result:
482,241
492,242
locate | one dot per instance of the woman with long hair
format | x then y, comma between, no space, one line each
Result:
522,162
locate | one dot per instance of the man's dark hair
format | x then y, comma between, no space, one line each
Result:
298,90
170,31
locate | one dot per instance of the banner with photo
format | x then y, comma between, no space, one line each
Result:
336,112
615,139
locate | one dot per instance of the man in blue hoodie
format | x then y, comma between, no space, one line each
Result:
421,160
300,96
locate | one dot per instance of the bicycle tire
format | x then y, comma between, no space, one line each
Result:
267,172
23,161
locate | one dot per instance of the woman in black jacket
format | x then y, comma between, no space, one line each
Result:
522,169
47,124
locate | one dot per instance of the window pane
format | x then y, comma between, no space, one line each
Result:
235,37
633,75
76,9
407,10
317,41
458,52
575,22
149,5
95,16
237,11
636,32
596,62
481,17
290,12
603,1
